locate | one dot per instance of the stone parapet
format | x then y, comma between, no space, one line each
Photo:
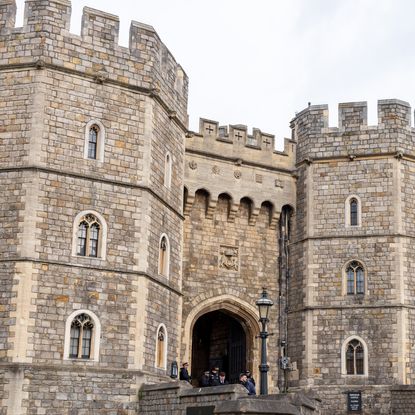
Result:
234,142
178,397
45,41
353,138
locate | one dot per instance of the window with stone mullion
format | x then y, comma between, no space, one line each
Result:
355,278
88,237
81,337
355,358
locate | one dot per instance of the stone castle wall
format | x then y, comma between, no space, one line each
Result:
54,84
333,164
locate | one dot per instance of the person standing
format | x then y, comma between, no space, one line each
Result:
214,376
184,373
205,379
222,379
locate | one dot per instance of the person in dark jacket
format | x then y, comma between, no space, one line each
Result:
243,380
184,373
250,378
214,376
205,379
222,379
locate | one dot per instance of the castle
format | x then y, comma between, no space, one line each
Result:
128,242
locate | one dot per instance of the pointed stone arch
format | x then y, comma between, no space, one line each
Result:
245,313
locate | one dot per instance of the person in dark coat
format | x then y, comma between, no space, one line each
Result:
222,379
205,379
250,378
243,380
214,376
184,373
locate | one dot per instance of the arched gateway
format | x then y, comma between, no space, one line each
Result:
221,332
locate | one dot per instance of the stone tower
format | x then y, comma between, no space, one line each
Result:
91,176
351,297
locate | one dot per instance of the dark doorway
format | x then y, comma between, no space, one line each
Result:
218,340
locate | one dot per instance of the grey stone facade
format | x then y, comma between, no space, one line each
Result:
225,238
53,84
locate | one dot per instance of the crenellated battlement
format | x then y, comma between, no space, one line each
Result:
45,41
236,134
316,139
234,141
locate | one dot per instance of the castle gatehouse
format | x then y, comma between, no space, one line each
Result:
129,242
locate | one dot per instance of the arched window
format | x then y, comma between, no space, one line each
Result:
167,170
89,235
161,347
94,141
164,256
81,337
82,334
353,212
354,357
355,278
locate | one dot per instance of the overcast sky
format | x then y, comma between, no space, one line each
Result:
258,62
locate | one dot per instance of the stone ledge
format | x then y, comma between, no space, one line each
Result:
299,400
165,386
256,406
403,388
236,389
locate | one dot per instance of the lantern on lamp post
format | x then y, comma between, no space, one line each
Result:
264,304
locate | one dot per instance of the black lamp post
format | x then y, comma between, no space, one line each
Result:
264,304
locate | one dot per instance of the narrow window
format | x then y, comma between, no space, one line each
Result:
355,276
353,212
88,236
82,231
81,337
93,240
93,142
161,348
355,358
164,256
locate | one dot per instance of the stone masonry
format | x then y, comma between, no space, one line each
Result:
190,224
53,84
374,164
